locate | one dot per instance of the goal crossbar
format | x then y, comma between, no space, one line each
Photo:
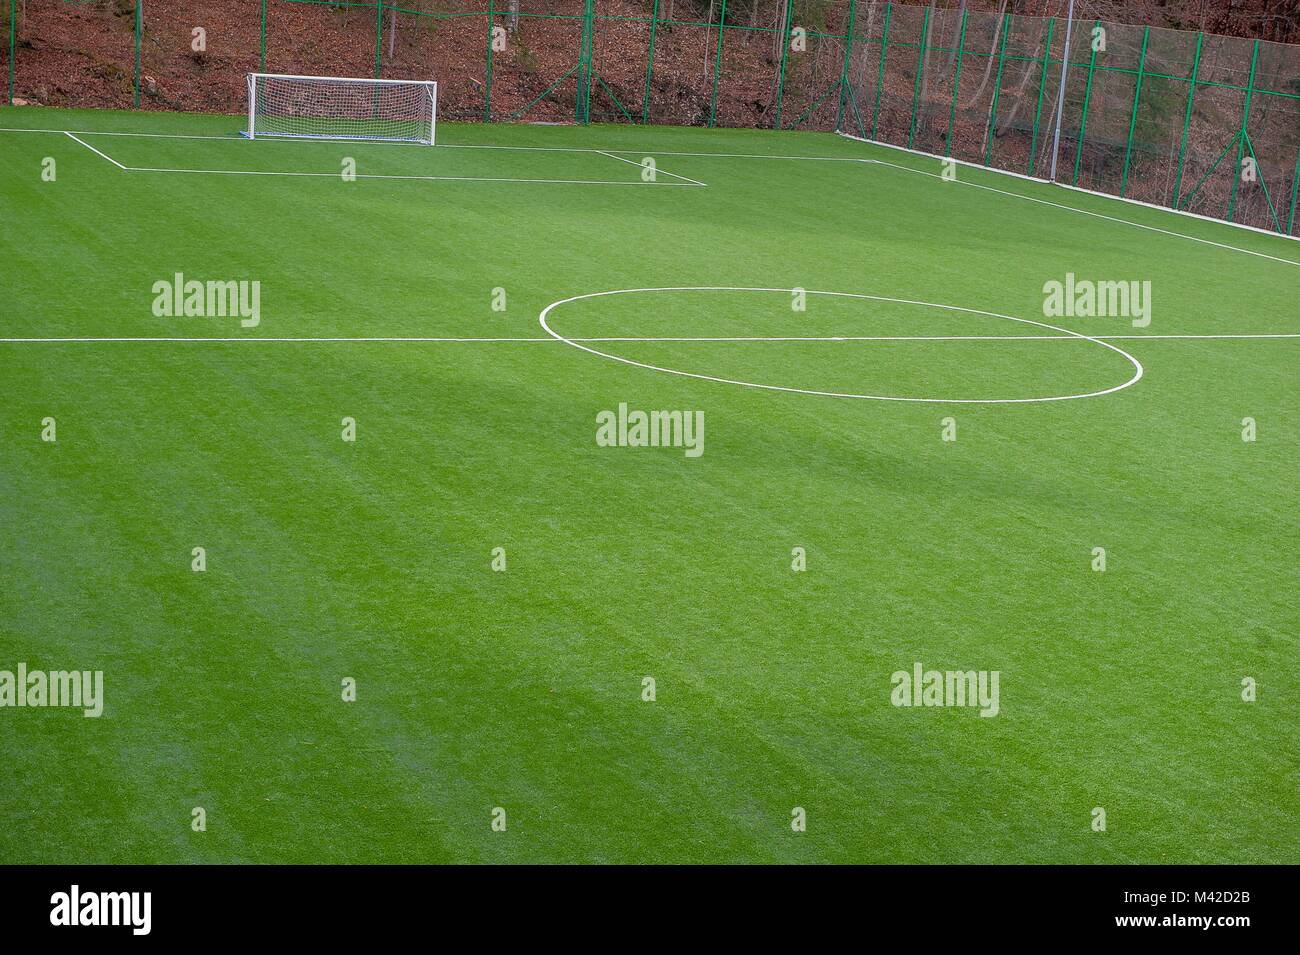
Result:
342,107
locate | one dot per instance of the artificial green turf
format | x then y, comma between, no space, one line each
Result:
522,689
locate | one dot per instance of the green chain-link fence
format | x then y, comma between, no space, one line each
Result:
1192,121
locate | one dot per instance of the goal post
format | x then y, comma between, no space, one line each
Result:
339,107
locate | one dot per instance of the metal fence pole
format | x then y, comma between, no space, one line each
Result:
997,90
139,21
844,74
1060,98
1187,119
379,33
1132,119
717,63
13,27
487,78
956,83
880,78
261,60
1042,88
1245,120
785,51
1295,181
916,90
650,64
1087,97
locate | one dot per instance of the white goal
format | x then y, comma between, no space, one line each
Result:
337,107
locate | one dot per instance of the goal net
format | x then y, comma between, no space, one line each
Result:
334,107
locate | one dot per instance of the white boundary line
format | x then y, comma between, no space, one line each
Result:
96,151
847,136
641,165
552,340
1091,192
333,175
1137,365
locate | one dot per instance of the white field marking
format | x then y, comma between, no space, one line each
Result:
332,175
878,162
235,138
552,340
335,175
640,165
1065,185
97,152
1137,365
1095,215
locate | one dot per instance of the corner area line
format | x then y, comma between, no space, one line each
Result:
94,150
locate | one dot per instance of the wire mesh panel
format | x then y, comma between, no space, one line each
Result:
1218,107
864,71
685,49
891,113
621,32
1020,94
975,76
749,70
938,63
1079,74
314,38
536,76
814,65
442,40
1167,61
1273,141
75,54
1110,107
196,58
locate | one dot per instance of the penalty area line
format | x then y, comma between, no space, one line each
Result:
94,150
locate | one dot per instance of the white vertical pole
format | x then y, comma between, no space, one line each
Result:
433,118
1060,98
252,105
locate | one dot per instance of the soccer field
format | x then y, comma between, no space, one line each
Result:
447,609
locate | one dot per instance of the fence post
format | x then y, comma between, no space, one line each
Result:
650,63
13,27
379,33
1087,97
1187,119
997,90
717,62
1132,120
956,83
1042,86
880,77
844,74
785,51
487,78
916,89
1245,119
1295,181
261,60
582,107
1060,93
139,20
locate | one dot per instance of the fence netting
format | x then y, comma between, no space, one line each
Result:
1186,120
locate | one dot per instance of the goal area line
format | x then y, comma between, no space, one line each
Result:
678,180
